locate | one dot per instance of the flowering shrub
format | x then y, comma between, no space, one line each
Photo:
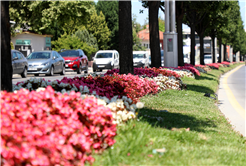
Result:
148,72
48,128
186,67
129,85
183,72
167,82
213,65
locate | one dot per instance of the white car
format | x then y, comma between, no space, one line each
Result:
207,58
106,59
140,59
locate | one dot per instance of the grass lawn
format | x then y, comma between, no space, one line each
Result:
192,131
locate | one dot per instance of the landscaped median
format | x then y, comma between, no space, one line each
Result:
155,117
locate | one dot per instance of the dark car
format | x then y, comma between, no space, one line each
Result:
19,63
75,60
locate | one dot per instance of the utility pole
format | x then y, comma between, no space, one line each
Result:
170,36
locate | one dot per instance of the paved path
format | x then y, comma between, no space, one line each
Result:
231,95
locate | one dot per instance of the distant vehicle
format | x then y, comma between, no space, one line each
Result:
19,63
207,58
140,59
162,57
186,58
106,59
75,60
45,62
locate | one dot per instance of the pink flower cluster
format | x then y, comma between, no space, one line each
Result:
122,85
213,65
187,67
149,72
48,128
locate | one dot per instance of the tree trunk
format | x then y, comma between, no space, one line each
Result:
154,34
225,53
220,43
125,37
179,19
6,60
180,41
192,45
213,48
201,49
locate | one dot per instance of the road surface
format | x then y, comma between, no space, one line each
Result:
232,97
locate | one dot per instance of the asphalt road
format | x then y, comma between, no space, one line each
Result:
232,97
18,78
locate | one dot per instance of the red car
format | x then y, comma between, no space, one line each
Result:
75,60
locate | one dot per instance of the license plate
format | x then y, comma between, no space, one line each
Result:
32,68
66,65
100,65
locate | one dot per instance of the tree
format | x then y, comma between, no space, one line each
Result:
51,17
6,62
125,37
161,24
110,9
97,26
67,41
136,27
154,32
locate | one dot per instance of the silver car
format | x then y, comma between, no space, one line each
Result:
45,62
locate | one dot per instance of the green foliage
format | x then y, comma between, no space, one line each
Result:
97,26
50,17
161,24
72,42
110,10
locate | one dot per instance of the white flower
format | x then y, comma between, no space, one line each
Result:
101,102
40,89
140,105
86,89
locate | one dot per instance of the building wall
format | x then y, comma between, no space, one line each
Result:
37,41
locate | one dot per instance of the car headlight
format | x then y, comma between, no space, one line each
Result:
76,60
45,64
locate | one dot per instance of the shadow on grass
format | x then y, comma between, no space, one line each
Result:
169,120
201,89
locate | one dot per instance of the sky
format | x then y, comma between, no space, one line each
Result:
136,6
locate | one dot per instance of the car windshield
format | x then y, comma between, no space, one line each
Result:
69,53
39,55
104,55
207,57
138,56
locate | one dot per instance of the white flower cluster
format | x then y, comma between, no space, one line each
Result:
183,72
167,82
122,109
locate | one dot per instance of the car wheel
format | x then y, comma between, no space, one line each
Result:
24,73
51,71
63,71
79,69
86,68
36,75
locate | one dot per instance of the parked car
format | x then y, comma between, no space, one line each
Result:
19,63
45,62
207,58
75,60
140,59
106,59
186,58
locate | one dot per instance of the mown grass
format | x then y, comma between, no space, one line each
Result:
193,131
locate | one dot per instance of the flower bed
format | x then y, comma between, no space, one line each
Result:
48,128
149,72
213,65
